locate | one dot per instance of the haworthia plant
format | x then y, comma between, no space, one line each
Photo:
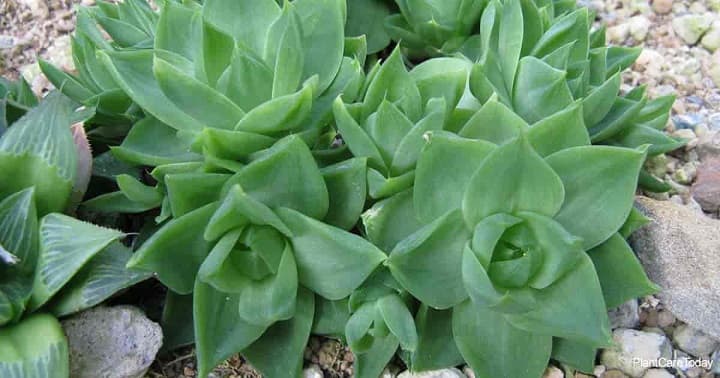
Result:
452,212
519,251
539,58
49,262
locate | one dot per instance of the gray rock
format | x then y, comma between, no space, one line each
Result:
6,42
662,6
694,341
706,190
625,316
639,27
444,373
111,342
633,347
716,362
679,250
312,371
711,39
614,374
691,27
658,373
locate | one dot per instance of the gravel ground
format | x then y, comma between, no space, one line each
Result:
681,41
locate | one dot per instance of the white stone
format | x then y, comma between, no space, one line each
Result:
658,373
692,26
313,371
694,341
639,27
632,345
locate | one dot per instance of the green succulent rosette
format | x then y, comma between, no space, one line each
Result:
397,108
523,249
428,28
571,64
260,247
130,25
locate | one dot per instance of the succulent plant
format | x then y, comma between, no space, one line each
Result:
49,262
16,98
573,63
397,109
258,254
518,241
130,25
486,212
428,28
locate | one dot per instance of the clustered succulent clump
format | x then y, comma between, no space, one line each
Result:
461,197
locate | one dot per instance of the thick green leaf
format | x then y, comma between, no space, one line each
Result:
512,178
575,354
295,182
493,347
634,221
177,321
97,281
330,261
67,84
571,308
598,197
399,321
133,71
393,83
438,189
257,16
373,361
189,191
237,210
559,131
322,23
18,230
151,142
391,220
215,110
38,150
495,123
540,90
442,77
408,150
282,113
641,135
271,299
287,49
182,236
355,137
178,30
618,119
330,317
219,330
347,189
246,81
436,347
599,102
621,276
66,245
36,348
278,353
367,17
433,251
510,40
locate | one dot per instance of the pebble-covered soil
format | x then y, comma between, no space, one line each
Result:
681,41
